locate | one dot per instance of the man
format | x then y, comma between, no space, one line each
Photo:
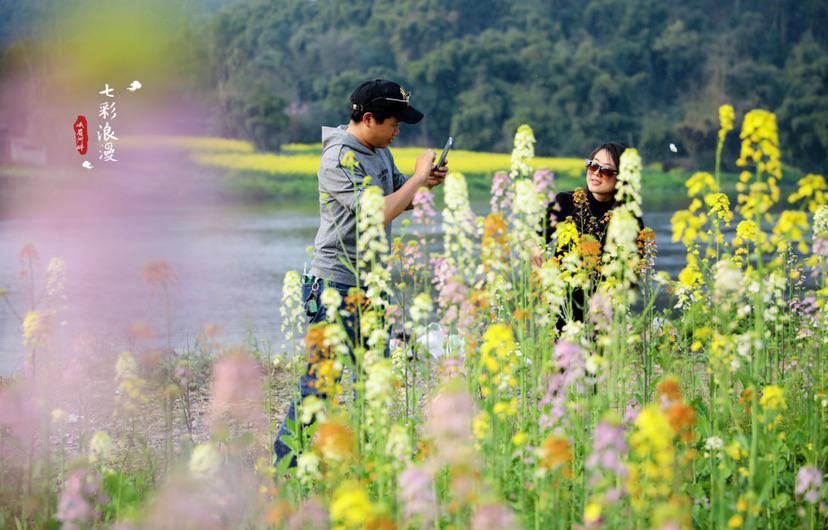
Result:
377,109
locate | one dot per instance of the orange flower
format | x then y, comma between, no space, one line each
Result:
356,300
746,398
669,390
590,250
334,441
555,452
682,417
315,342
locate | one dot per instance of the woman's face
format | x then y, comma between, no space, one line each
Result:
601,186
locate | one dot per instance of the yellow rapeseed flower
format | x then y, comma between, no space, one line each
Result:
481,425
773,398
726,117
566,233
592,512
719,206
790,228
700,181
735,522
811,187
350,505
747,231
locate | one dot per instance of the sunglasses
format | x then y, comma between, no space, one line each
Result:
605,171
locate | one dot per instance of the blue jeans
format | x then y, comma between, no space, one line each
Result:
307,384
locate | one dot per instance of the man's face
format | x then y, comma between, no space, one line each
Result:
381,134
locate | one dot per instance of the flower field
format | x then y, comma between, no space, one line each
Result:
495,409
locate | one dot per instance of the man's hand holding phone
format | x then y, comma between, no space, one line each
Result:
439,171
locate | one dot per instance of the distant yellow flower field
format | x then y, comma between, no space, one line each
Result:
304,159
188,143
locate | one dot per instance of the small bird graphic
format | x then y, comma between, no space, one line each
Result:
87,164
135,85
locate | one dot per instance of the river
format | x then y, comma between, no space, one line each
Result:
228,262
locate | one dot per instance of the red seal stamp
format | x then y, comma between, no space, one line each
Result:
81,135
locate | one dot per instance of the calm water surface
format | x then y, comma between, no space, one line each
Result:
228,263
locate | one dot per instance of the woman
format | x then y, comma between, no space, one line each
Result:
588,208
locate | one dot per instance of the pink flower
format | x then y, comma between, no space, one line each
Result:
809,484
600,312
493,517
608,450
424,213
417,496
236,389
449,424
502,194
311,515
544,182
79,500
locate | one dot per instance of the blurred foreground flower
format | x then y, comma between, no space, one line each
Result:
80,499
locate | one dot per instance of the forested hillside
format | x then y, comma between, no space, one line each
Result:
650,72
646,71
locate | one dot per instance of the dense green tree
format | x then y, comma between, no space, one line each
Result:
649,72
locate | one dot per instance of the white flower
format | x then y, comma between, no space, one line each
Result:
621,251
379,387
398,446
527,216
523,152
331,300
100,447
336,338
821,220
372,246
312,408
421,308
307,468
714,443
460,227
728,276
292,310
205,461
552,292
373,243
628,188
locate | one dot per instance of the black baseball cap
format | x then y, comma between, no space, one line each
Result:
381,94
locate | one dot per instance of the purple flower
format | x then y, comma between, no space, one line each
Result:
79,500
600,312
570,360
424,212
631,412
608,450
502,193
544,181
809,484
417,496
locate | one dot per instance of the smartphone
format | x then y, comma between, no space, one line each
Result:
442,160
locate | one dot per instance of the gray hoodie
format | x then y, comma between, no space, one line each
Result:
339,193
